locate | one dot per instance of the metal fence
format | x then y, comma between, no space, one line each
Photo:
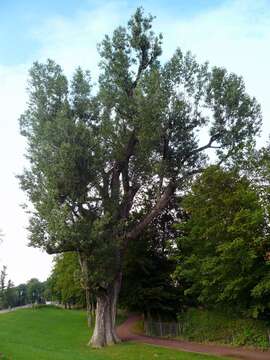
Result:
160,328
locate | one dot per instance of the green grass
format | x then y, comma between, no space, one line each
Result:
224,328
56,334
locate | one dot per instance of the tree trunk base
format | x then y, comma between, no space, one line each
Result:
97,344
104,332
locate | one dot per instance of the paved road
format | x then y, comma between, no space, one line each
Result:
15,308
126,334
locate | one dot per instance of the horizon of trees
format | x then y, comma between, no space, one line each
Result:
31,292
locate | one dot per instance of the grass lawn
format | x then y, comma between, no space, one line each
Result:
55,334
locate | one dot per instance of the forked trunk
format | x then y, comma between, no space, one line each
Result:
105,332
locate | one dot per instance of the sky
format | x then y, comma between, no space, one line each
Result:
230,33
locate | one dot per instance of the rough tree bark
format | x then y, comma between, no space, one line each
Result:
104,332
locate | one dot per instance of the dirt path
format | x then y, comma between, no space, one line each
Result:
126,334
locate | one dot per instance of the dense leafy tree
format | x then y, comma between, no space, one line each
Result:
35,291
147,284
64,282
11,294
105,163
22,298
222,252
257,169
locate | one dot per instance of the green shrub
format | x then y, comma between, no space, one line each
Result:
223,327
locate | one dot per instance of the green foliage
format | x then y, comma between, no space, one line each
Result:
222,253
223,327
64,283
147,285
8,293
23,294
50,333
11,294
3,277
22,298
35,291
104,163
258,171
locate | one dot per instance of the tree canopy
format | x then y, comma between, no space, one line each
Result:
106,159
224,244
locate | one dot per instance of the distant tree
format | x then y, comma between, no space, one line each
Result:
222,252
22,298
105,163
8,296
50,293
11,294
65,280
3,279
35,291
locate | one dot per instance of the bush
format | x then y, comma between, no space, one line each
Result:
223,327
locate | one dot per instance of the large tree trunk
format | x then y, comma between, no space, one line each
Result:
105,332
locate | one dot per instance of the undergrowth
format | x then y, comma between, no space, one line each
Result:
224,328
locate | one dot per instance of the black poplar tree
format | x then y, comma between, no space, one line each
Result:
105,162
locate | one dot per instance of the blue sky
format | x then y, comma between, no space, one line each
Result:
230,33
20,19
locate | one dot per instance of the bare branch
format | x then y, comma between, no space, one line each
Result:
207,146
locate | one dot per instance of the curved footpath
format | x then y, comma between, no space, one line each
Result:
125,331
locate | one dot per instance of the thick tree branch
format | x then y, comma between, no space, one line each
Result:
121,166
129,151
115,182
160,205
144,63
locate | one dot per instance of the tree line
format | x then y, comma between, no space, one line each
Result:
32,292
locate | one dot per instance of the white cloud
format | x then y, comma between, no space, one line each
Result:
73,42
23,262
